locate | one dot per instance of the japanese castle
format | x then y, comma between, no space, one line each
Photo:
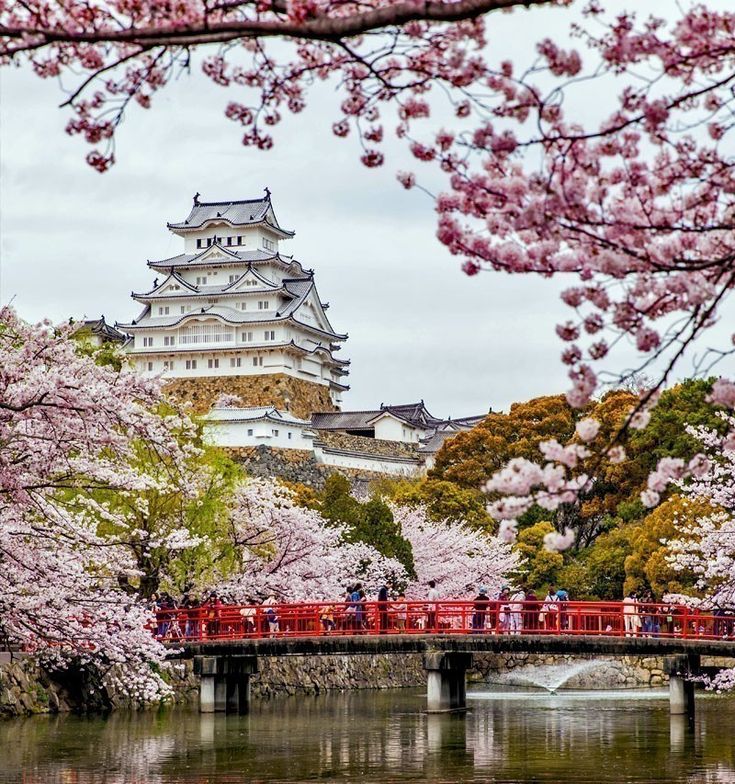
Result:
232,305
238,329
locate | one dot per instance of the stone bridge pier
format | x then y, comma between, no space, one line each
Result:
446,680
680,670
224,682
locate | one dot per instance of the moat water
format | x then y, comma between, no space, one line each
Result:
507,736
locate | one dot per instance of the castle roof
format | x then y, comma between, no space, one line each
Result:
252,414
242,212
100,328
298,289
414,414
229,257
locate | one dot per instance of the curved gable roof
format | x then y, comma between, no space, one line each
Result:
241,212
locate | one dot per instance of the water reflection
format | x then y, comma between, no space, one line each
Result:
379,737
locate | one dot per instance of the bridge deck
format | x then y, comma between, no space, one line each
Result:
321,645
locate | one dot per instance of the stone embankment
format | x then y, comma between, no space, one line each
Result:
296,465
26,688
299,397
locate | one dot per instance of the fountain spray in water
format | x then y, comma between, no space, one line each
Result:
547,676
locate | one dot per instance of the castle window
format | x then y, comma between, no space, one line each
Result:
243,305
269,244
163,311
275,432
202,280
213,363
169,341
200,243
247,337
209,242
239,239
257,361
147,342
236,362
229,240
205,333
250,431
183,309
150,366
269,334
168,364
263,304
290,434
191,364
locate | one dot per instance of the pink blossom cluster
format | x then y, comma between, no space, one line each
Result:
706,547
68,433
294,554
457,557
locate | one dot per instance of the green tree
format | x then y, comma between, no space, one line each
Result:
543,566
470,458
647,567
197,503
443,500
370,522
604,564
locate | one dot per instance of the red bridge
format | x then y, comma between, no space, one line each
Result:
610,619
225,640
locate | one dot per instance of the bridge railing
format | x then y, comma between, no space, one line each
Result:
232,622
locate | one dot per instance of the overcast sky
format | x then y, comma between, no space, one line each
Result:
75,243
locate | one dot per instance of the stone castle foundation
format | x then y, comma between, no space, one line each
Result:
301,398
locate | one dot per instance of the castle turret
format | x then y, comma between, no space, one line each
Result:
231,309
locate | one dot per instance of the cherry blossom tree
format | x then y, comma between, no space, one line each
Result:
295,554
706,547
67,433
636,202
457,557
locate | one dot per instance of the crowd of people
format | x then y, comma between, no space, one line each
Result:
507,612
511,610
643,617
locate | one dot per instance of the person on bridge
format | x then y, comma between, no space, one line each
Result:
350,609
503,610
630,615
431,607
326,618
383,609
479,607
549,615
358,602
274,625
516,611
249,614
562,600
532,609
400,612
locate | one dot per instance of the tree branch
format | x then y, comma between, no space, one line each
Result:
317,29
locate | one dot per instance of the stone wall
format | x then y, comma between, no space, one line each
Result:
314,674
301,398
293,465
27,688
371,446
